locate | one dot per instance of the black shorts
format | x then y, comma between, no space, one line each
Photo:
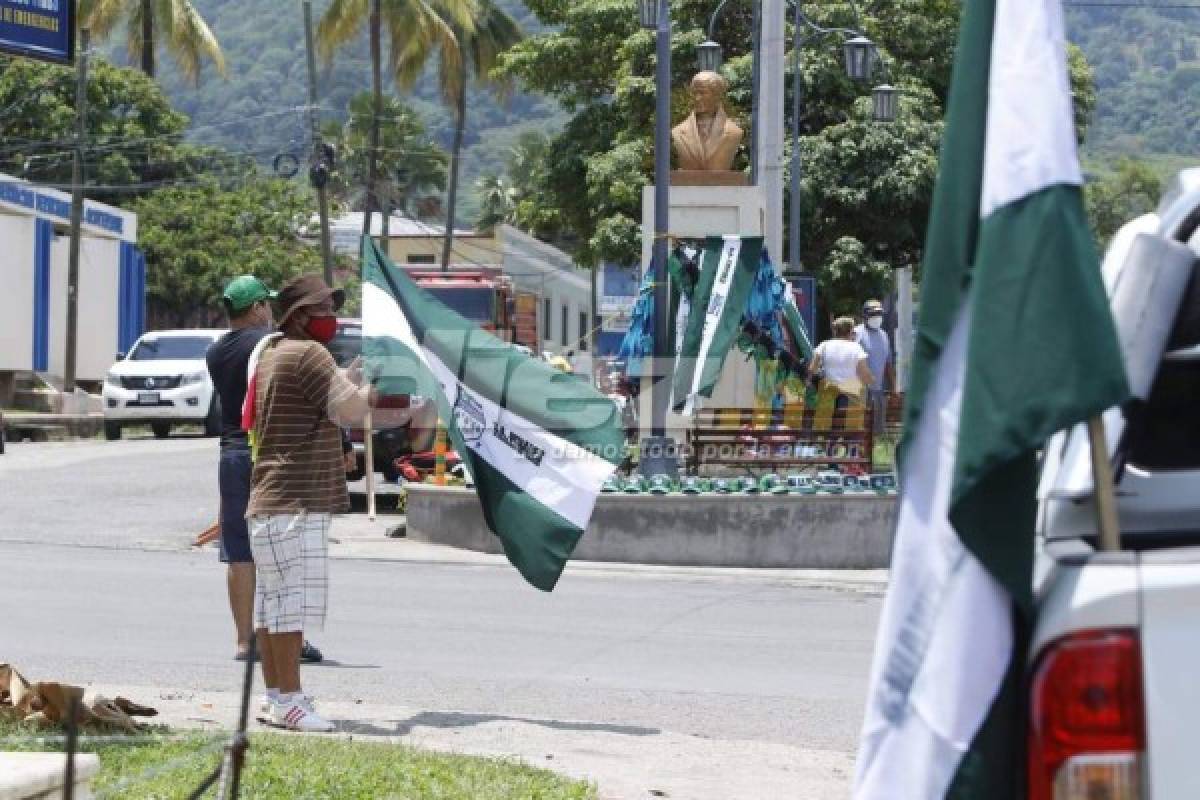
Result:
233,478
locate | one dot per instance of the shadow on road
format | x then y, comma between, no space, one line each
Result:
456,719
329,662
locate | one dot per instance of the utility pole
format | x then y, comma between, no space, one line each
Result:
376,35
770,124
319,180
81,65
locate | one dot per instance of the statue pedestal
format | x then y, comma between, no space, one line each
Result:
699,211
710,210
708,177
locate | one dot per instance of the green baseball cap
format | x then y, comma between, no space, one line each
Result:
244,291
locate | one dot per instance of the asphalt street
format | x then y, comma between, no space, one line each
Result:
100,587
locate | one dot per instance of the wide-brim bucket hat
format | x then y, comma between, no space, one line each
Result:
305,291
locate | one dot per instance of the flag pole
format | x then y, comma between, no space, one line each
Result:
369,464
1102,478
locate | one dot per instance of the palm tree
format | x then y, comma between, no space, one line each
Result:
187,35
417,29
497,201
410,165
494,32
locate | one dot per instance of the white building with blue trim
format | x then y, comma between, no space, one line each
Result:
34,246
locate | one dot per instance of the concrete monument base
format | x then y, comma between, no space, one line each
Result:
763,531
700,211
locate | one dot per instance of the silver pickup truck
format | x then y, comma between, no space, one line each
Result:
1114,681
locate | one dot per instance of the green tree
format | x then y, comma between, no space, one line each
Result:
866,186
497,201
187,35
196,238
493,32
133,139
1132,189
410,164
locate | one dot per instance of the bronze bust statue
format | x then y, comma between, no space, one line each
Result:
707,140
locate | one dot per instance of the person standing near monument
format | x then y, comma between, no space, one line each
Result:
874,339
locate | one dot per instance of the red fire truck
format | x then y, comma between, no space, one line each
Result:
483,295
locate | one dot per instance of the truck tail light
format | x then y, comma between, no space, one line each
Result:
1087,734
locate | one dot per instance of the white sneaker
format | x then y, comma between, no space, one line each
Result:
299,715
268,702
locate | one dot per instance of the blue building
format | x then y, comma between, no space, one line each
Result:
34,247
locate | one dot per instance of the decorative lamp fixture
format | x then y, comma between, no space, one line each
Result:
884,101
649,13
860,57
708,56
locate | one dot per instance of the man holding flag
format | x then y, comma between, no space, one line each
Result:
295,401
1015,342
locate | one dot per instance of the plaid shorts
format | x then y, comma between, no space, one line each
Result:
291,559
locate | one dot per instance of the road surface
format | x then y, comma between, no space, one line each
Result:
700,683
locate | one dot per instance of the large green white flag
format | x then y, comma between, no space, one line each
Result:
714,321
538,443
1015,342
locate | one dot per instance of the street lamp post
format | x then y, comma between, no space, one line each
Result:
860,55
658,455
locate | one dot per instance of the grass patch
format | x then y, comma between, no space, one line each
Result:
285,767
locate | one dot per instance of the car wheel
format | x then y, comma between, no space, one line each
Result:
112,431
212,423
161,429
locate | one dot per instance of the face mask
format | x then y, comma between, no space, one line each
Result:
875,322
323,329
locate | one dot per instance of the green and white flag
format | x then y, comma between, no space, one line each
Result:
727,273
795,325
1015,342
539,443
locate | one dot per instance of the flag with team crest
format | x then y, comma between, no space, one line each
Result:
537,442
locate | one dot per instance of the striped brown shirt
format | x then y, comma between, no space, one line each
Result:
299,464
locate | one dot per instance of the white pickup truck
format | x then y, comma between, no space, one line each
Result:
1114,682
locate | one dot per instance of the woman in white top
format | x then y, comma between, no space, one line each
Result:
843,362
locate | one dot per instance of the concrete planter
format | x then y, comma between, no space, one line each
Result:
767,531
39,776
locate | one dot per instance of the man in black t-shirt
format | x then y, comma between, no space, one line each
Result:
247,300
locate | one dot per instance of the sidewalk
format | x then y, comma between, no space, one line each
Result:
626,762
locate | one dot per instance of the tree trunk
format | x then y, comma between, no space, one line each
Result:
595,320
377,111
385,208
148,37
460,128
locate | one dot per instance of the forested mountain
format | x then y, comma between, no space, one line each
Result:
1146,64
254,110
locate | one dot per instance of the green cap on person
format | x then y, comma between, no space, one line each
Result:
244,291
